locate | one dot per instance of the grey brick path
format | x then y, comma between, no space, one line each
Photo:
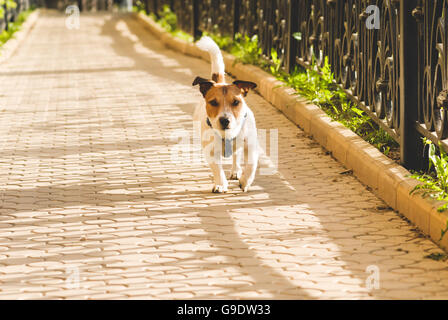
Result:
87,188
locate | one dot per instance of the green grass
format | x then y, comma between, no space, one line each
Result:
14,27
167,19
224,42
10,4
320,88
434,182
246,50
139,7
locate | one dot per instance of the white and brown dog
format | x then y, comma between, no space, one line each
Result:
227,124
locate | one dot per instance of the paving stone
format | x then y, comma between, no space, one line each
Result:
91,191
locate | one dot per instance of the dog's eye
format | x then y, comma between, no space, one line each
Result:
214,103
235,103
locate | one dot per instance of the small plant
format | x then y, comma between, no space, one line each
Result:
246,49
168,19
14,26
182,35
276,66
320,88
10,4
224,42
139,6
435,183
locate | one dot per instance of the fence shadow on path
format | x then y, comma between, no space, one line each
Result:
305,232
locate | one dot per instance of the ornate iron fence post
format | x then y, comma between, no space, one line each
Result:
155,8
5,17
195,20
292,28
236,16
411,144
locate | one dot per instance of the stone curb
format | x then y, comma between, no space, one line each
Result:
9,48
388,180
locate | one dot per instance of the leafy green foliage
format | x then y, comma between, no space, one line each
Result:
182,35
276,66
320,88
297,36
10,4
14,26
435,182
247,50
139,6
168,20
224,42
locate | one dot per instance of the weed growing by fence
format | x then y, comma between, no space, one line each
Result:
10,4
167,19
320,88
246,50
13,27
435,180
224,42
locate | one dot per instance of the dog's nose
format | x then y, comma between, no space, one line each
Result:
224,122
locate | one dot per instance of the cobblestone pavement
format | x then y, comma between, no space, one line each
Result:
89,189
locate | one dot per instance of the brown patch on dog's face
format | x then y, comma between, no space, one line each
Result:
223,100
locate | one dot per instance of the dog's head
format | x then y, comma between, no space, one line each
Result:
225,103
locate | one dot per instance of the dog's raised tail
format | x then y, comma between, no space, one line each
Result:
218,68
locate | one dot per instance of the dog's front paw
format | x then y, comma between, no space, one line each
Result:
244,184
219,189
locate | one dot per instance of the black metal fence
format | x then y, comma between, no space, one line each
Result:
10,13
391,56
94,5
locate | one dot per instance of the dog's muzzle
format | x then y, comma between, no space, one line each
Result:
227,143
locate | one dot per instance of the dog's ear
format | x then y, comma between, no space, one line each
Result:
204,84
245,86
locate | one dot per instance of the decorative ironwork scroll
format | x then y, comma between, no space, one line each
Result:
432,67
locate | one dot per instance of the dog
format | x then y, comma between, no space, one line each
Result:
227,124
